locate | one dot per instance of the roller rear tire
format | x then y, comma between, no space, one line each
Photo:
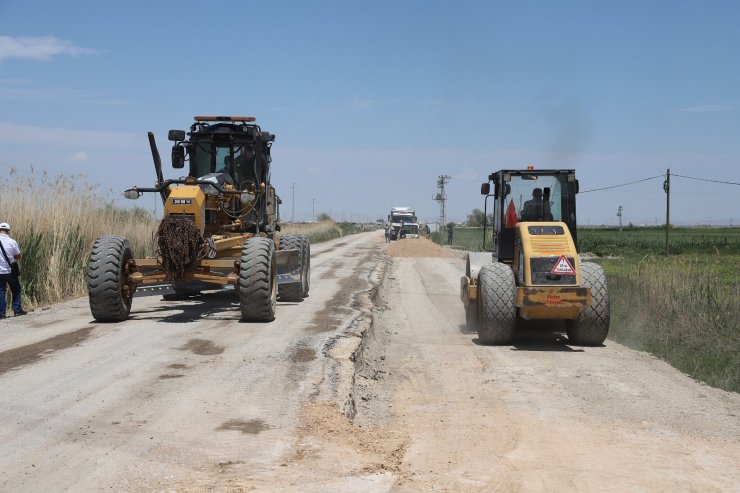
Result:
592,325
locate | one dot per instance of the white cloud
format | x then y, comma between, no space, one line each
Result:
78,157
42,48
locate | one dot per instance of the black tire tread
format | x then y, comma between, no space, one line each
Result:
292,293
306,278
257,280
592,325
497,304
107,303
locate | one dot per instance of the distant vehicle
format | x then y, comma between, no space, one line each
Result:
403,223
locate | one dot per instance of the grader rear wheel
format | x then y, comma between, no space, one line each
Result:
108,289
497,304
306,274
293,292
592,325
258,280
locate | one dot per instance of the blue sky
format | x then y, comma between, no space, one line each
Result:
371,101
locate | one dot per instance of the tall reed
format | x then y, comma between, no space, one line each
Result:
316,232
55,220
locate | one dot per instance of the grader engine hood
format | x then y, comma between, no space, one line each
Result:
546,255
187,200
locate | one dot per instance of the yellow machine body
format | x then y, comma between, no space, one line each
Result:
189,201
547,272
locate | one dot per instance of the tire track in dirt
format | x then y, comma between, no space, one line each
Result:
31,353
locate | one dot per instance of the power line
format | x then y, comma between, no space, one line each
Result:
705,179
624,184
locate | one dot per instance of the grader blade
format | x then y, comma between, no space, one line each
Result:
154,290
288,266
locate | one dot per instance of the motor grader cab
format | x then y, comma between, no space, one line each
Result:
531,269
221,227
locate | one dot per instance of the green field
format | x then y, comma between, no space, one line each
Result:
683,308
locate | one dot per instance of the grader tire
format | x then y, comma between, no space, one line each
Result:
497,304
592,325
257,280
293,292
306,275
110,298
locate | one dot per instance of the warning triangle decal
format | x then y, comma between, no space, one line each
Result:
563,267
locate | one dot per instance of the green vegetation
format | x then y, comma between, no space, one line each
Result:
683,308
464,238
605,242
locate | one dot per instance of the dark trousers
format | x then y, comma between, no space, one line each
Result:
15,288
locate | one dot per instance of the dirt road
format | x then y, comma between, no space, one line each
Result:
370,384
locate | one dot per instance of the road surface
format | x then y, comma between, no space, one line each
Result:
373,383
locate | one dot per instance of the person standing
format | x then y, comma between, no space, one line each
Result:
10,253
450,228
387,233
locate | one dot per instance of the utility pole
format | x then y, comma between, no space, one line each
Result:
667,190
313,209
441,197
619,215
292,216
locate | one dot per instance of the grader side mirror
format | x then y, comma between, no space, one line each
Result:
176,135
178,156
485,188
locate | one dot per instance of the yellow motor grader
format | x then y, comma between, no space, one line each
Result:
532,269
220,228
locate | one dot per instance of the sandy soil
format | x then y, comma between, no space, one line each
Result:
371,384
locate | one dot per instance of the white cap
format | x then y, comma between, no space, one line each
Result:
5,226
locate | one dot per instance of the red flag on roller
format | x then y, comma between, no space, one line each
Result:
510,220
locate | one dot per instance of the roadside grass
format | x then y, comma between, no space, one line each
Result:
464,238
321,231
316,232
683,308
